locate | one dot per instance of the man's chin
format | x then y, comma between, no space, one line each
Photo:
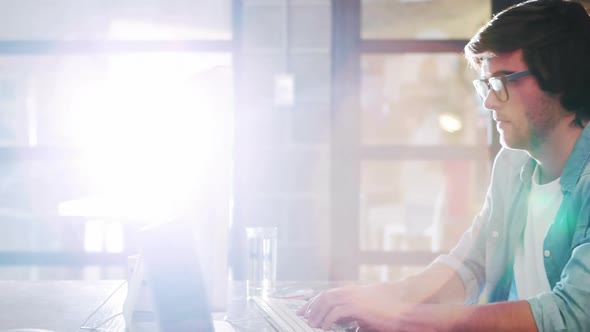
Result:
507,143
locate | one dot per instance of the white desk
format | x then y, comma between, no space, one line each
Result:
63,306
54,305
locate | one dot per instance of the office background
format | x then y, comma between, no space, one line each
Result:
351,125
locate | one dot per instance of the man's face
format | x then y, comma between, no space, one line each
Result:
528,118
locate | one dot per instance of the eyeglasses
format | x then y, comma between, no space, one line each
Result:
497,84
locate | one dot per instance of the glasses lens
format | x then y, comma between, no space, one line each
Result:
482,88
499,88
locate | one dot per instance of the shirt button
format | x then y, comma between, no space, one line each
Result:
547,253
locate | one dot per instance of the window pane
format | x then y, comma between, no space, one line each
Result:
407,19
153,131
419,205
420,99
80,100
32,193
114,19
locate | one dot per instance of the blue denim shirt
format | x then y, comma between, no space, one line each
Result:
484,256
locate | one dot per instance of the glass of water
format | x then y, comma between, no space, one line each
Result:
262,260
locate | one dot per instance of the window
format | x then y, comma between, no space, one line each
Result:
111,114
412,155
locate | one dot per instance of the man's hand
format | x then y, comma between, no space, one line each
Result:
373,307
380,305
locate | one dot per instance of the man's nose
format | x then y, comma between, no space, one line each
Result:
491,101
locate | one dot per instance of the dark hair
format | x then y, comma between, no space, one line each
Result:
554,36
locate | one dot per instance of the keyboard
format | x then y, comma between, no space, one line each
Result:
281,313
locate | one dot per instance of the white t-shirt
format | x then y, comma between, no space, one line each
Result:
529,266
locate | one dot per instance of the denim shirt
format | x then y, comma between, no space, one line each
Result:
484,256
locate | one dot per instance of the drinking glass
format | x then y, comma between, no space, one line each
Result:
262,260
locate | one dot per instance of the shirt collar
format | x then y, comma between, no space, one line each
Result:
573,167
577,161
526,172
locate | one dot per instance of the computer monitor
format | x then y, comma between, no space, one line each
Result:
173,271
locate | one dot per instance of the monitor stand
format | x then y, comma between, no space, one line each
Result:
138,308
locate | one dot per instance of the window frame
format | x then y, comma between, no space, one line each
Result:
74,255
347,150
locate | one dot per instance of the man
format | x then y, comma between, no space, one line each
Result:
528,250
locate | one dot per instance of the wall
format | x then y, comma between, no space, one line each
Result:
282,151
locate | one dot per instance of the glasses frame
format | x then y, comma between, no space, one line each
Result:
484,85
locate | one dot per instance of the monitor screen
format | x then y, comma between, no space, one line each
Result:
174,277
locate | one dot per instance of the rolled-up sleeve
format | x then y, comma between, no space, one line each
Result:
469,257
470,280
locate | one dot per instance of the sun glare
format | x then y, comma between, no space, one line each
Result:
157,125
156,132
